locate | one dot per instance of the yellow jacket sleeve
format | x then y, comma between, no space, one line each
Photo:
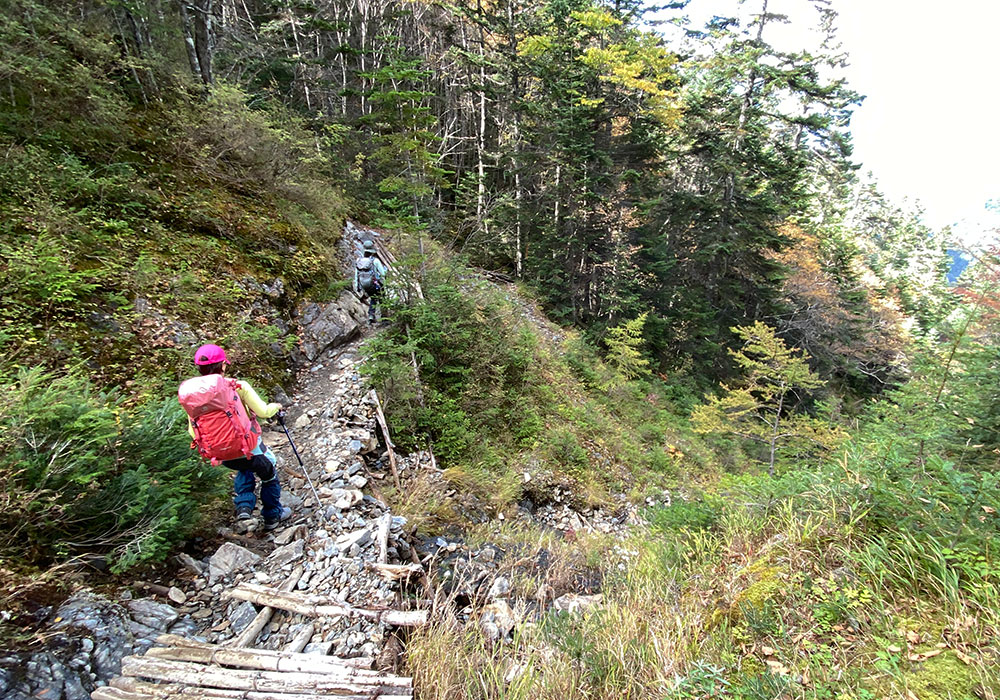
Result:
254,403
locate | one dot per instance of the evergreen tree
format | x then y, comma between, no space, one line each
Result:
762,408
625,350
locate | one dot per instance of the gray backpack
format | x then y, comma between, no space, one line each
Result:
368,279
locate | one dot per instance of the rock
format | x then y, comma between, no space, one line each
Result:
228,558
302,421
147,611
185,627
573,603
346,498
358,537
328,325
191,564
500,588
143,634
177,595
497,620
201,613
358,481
242,616
290,499
105,623
487,554
288,553
299,532
322,648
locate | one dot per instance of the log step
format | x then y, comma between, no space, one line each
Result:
132,689
323,606
173,640
275,661
265,681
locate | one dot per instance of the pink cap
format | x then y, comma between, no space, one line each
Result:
209,355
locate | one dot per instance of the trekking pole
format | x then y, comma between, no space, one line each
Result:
281,422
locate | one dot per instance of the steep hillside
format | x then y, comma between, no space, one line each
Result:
590,544
134,229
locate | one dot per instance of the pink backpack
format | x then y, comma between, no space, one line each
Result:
222,428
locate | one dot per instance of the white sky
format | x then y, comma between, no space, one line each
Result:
929,128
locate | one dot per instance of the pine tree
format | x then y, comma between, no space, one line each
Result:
760,409
625,350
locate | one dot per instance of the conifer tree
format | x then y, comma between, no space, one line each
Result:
625,350
761,407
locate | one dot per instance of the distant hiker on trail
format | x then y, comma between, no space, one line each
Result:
225,432
369,278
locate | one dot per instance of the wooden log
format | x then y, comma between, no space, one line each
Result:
323,606
302,638
249,635
241,679
383,537
380,417
118,694
123,688
183,642
330,666
396,572
383,251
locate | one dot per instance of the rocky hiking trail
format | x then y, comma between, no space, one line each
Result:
306,609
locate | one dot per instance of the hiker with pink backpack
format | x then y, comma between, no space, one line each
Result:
222,420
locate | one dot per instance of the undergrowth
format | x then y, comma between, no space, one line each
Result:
464,371
864,573
132,231
85,474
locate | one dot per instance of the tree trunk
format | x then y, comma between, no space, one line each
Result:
204,38
187,25
774,431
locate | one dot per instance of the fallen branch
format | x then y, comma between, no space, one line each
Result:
248,635
380,417
383,537
267,660
134,689
173,640
301,638
396,572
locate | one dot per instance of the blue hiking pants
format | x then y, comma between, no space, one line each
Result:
261,466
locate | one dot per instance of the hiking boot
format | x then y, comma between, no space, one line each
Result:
286,513
244,513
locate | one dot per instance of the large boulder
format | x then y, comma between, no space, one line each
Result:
325,326
85,643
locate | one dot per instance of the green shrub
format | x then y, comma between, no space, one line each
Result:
694,514
476,360
564,451
84,473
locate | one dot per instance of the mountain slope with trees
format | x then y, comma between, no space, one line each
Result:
748,325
